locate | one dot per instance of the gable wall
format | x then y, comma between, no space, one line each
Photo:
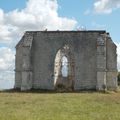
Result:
42,48
45,47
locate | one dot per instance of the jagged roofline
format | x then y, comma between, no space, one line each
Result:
26,41
20,43
108,35
99,31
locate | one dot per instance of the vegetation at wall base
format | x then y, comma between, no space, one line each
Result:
118,77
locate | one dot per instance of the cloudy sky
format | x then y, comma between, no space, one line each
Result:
17,16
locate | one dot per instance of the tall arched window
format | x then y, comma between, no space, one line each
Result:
64,68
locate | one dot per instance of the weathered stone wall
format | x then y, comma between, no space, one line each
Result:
23,68
18,69
18,64
45,48
101,62
94,63
111,64
85,56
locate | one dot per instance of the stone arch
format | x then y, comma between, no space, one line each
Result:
66,82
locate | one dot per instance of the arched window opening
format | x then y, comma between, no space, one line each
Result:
64,68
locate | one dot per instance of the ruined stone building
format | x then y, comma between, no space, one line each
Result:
89,57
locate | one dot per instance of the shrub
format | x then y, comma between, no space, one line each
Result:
118,77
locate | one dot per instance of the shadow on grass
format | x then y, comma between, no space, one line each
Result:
41,91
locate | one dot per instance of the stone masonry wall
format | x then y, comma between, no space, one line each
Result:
45,48
94,63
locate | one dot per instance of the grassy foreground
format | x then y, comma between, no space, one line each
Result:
59,106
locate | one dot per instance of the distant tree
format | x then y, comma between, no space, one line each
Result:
118,77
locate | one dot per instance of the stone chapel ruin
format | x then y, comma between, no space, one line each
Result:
89,57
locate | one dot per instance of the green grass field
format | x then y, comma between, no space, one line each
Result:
59,106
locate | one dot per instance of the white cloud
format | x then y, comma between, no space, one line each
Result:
98,26
7,58
4,33
6,79
106,6
37,15
118,55
1,16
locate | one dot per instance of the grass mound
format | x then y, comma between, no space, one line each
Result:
59,106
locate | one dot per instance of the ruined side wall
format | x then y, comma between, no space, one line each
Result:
18,68
23,66
45,48
111,65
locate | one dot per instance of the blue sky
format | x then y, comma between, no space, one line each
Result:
8,5
77,8
17,16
